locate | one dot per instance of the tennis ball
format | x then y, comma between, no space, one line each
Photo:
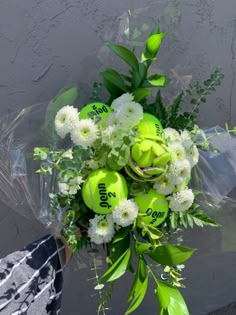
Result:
153,208
150,126
96,108
103,190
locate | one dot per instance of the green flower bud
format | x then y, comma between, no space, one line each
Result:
149,159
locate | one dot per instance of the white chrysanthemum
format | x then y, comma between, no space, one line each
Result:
193,157
68,154
101,229
65,120
181,200
171,135
164,186
85,133
179,171
125,213
108,134
124,98
130,114
113,120
63,188
185,135
177,150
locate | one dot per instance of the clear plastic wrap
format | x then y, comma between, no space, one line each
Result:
20,187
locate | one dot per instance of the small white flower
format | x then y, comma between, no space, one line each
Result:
101,229
164,186
193,157
124,98
113,120
63,188
85,133
179,171
65,120
130,114
108,134
125,213
171,135
178,151
185,135
68,154
181,200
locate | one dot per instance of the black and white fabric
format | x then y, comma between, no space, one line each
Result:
31,280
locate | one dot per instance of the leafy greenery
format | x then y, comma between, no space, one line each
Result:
189,218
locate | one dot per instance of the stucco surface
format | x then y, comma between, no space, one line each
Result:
46,45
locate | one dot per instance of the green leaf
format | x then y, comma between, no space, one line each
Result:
113,79
140,248
175,107
140,94
118,268
120,235
140,276
139,287
153,232
171,255
126,55
200,218
170,300
156,80
137,300
40,153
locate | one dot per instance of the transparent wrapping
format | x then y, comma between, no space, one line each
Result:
21,188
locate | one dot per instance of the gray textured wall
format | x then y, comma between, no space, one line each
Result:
46,45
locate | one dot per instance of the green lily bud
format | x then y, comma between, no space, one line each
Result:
149,159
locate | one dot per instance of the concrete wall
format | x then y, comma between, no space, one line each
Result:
46,45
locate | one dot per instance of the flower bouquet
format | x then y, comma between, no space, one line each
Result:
123,170
119,173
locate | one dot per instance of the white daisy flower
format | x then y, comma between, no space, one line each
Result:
85,133
179,171
164,186
65,120
177,150
101,229
193,157
171,135
68,154
185,135
181,200
108,134
113,120
130,114
124,98
125,213
63,188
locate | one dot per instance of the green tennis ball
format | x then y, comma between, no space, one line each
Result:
96,108
103,190
153,208
150,126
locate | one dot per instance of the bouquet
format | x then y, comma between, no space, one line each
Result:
122,173
123,170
